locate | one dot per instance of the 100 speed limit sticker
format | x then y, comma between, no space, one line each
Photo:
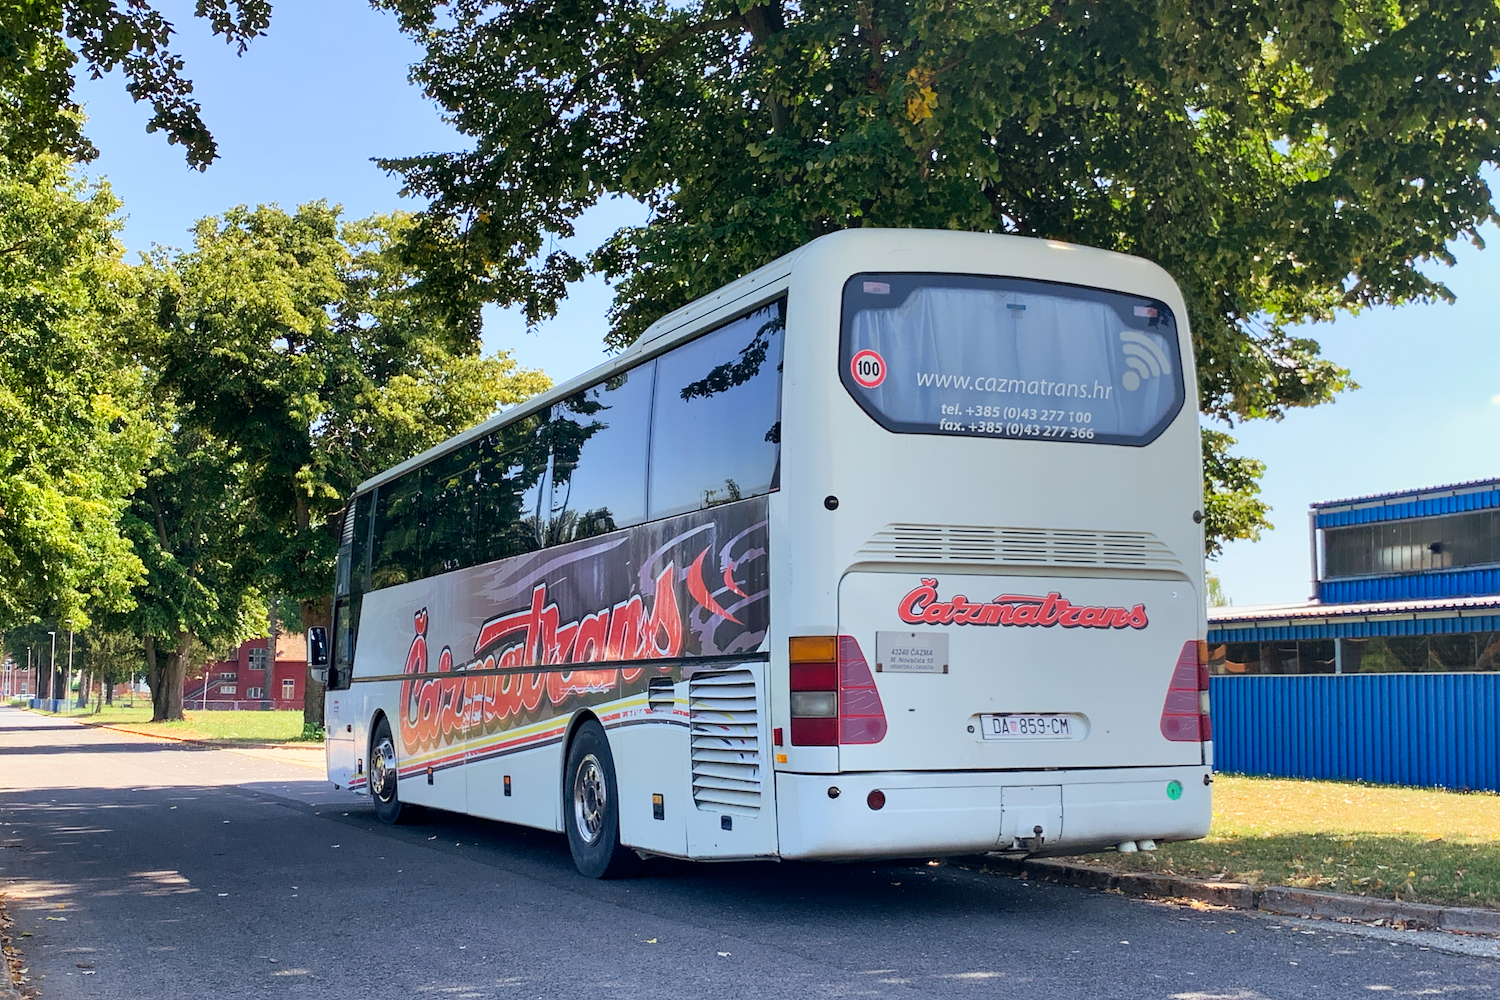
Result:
868,369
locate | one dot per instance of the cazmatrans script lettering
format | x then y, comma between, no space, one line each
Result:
921,606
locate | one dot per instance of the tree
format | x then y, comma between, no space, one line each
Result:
42,41
72,437
1284,161
110,656
188,523
313,349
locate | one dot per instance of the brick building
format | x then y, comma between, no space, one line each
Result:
256,677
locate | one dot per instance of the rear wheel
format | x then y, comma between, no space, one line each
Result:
592,808
388,805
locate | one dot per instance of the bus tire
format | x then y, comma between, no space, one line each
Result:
591,808
383,766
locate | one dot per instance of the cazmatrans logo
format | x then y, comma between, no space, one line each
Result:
921,606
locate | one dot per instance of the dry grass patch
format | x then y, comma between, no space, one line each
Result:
1420,844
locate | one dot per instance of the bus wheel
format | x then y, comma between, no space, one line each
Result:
592,802
388,806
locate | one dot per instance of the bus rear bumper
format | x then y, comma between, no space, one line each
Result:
964,812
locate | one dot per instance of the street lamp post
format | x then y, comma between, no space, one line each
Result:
52,670
68,687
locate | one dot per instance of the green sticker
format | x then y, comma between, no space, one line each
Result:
1174,790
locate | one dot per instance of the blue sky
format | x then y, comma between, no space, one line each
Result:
300,115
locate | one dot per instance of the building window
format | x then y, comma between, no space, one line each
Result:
288,689
255,692
260,658
1400,654
1419,545
228,677
227,689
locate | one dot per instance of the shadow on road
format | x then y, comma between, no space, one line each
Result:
55,749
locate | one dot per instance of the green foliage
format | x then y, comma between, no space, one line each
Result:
1284,161
1232,507
72,435
42,41
311,348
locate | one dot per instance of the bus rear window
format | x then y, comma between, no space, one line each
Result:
1009,358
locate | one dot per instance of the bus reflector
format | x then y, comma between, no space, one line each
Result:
1184,715
833,695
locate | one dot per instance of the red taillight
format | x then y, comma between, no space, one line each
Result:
833,695
1184,715
861,715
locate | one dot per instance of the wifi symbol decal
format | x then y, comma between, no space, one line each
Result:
1143,359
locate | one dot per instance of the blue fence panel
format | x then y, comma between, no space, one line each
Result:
1399,729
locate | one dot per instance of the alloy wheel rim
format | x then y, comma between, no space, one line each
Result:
383,771
590,798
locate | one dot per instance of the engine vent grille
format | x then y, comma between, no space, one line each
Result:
660,695
945,543
725,726
348,528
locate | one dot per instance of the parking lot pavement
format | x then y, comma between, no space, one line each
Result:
144,869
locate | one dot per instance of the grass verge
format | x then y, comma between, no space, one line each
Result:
212,727
1419,844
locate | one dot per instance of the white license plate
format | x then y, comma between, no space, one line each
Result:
1033,727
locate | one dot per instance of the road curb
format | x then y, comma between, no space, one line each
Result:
1278,899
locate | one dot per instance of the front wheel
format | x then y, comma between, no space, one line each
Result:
592,806
388,805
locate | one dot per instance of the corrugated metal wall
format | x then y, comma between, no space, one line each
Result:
1411,587
1398,729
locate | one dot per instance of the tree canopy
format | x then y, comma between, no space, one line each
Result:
310,347
72,440
1284,160
43,41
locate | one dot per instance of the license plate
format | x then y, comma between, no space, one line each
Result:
1033,727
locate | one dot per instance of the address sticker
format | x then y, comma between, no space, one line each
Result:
911,653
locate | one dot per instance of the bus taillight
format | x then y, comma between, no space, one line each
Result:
815,690
833,695
1184,716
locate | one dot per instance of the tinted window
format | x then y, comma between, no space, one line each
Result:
1009,358
716,430
360,545
345,631
452,486
396,555
510,483
599,439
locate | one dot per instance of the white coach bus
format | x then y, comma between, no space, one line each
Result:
891,548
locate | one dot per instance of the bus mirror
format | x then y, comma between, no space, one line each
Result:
317,648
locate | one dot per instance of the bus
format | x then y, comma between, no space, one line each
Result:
890,548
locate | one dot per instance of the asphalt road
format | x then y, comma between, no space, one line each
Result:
144,869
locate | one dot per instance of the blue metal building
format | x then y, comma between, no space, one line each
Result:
1392,672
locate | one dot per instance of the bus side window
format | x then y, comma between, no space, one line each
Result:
398,548
599,440
345,631
451,497
512,516
716,429
359,575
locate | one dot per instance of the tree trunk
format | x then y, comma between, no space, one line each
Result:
165,680
314,613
